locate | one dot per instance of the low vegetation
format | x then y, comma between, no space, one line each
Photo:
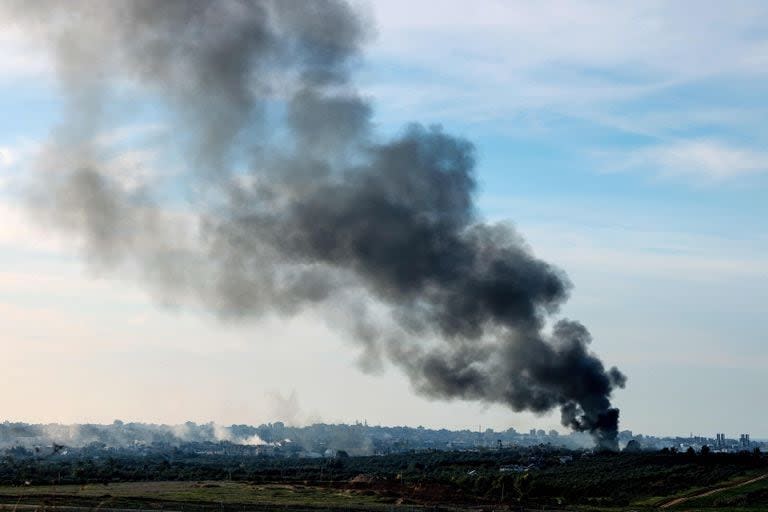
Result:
539,477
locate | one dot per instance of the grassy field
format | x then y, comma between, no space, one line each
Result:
736,493
745,497
434,481
221,494
237,496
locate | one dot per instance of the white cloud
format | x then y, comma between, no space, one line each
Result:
627,240
638,253
130,133
14,154
12,159
7,156
500,39
18,57
583,59
702,159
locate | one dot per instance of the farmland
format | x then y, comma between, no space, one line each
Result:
532,478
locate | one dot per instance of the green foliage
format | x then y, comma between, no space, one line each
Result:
600,480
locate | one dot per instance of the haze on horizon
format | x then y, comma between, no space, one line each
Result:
625,142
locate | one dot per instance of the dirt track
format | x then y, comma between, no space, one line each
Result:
678,501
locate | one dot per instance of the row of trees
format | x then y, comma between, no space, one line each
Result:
706,450
608,478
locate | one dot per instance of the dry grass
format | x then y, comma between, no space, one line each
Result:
225,493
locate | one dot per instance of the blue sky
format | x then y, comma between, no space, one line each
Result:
625,140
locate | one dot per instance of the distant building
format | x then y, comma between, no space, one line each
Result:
514,468
720,441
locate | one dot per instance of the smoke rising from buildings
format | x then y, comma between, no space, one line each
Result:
289,200
120,434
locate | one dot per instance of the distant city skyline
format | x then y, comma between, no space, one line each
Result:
360,438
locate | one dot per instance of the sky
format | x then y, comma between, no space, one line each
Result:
626,141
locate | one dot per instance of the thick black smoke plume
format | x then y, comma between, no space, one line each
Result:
383,235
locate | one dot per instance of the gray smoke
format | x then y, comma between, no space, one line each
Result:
289,200
120,434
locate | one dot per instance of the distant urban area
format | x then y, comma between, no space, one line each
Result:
363,468
320,440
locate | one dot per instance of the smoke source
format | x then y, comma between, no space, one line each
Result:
287,200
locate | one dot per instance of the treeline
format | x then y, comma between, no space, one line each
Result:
532,476
24,468
618,479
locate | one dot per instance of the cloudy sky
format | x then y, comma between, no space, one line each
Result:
626,141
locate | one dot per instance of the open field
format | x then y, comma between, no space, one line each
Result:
748,493
207,496
515,479
216,494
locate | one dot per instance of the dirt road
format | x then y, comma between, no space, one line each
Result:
678,501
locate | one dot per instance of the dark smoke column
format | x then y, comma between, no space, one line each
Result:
384,236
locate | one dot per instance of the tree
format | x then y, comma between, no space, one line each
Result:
522,487
690,451
705,450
